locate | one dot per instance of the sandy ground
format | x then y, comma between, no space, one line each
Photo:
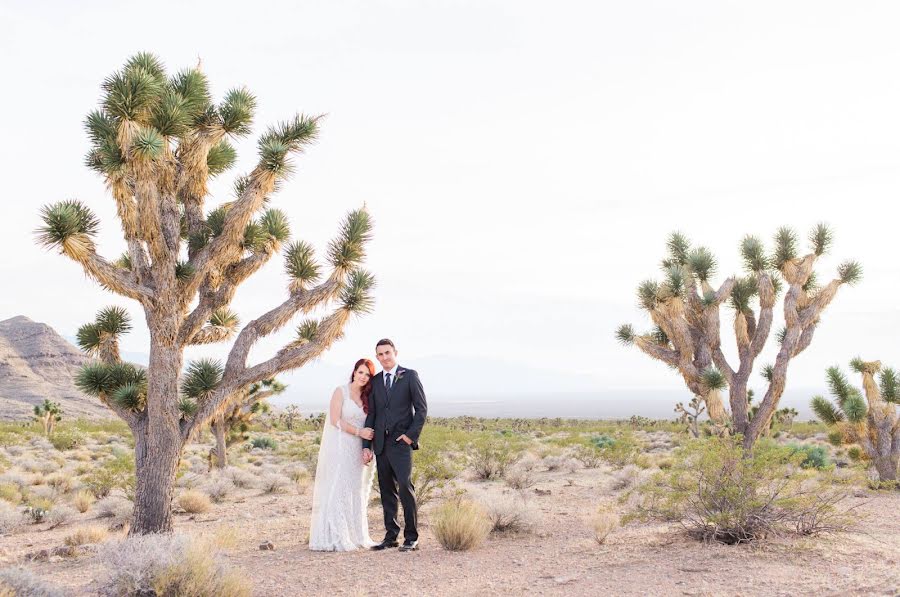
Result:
559,558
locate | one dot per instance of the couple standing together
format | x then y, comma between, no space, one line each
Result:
375,417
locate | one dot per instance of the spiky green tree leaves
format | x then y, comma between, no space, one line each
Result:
686,309
865,420
157,139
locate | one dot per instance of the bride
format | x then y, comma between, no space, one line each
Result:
343,482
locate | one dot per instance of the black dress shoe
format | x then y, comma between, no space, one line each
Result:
409,546
384,545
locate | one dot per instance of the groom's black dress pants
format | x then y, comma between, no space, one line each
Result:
394,466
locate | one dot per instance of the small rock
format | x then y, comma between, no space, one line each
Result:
267,546
540,491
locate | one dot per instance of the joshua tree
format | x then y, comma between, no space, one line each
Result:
872,421
156,141
230,427
49,414
290,416
685,309
690,415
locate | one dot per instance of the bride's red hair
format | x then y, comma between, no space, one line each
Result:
367,389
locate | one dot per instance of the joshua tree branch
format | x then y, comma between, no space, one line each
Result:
290,357
301,300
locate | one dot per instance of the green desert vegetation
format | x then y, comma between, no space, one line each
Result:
686,311
156,141
867,421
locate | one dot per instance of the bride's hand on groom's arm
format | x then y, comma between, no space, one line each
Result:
367,433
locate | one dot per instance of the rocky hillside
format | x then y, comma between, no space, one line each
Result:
37,363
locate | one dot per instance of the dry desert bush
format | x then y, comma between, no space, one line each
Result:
169,565
19,582
83,500
459,524
604,522
194,502
510,515
10,518
218,488
86,535
117,508
274,483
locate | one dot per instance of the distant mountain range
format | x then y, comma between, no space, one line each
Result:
36,363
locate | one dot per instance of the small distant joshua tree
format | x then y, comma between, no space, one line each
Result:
156,141
48,414
686,311
230,427
290,416
869,418
690,414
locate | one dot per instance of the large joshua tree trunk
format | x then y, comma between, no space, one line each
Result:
157,140
156,482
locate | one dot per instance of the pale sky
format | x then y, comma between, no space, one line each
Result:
523,161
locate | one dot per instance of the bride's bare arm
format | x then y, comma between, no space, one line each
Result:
334,411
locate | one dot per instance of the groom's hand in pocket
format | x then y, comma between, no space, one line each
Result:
405,440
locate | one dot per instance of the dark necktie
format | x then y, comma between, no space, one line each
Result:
387,381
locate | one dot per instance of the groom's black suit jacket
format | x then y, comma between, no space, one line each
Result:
398,412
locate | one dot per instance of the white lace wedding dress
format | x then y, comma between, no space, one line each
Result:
342,487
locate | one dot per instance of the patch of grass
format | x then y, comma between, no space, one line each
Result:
83,500
813,456
264,442
459,524
604,522
194,502
86,535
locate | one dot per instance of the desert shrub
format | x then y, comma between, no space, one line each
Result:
813,456
114,473
60,514
588,455
602,441
86,535
61,482
718,494
431,473
10,518
194,502
297,472
625,478
520,477
274,483
555,462
66,439
38,508
10,492
169,565
459,524
604,522
621,451
239,477
491,458
83,500
117,508
219,488
264,443
509,515
20,581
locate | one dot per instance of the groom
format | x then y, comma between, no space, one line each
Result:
397,410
